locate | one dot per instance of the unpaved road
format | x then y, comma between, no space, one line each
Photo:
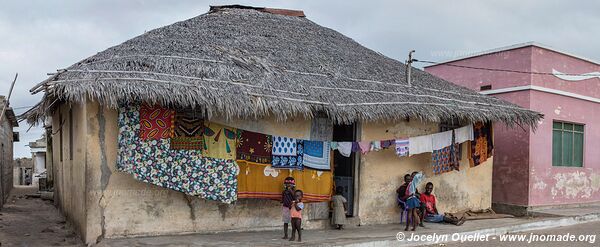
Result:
33,222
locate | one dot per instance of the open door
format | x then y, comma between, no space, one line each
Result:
343,173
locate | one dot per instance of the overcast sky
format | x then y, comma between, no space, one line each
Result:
37,37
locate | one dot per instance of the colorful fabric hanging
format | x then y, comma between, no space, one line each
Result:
420,144
152,161
219,141
402,147
345,148
254,147
316,155
355,147
333,145
287,153
365,146
284,146
375,146
155,122
387,143
187,131
482,147
265,182
446,159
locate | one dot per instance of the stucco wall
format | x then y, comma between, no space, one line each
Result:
119,205
552,185
70,179
511,157
381,173
6,160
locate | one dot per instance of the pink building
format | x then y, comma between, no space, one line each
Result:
559,162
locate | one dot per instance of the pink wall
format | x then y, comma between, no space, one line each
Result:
545,60
517,59
510,178
525,176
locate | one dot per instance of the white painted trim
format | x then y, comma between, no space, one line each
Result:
512,47
541,89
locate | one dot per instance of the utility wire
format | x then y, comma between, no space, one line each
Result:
497,70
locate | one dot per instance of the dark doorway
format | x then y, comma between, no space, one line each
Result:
343,172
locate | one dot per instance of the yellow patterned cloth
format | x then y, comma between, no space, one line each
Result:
219,141
264,182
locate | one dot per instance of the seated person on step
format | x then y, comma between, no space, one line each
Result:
431,213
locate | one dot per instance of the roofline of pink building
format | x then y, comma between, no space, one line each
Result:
512,47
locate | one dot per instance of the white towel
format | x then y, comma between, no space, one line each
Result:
464,134
441,140
419,144
345,148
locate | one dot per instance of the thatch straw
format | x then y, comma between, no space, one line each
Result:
244,63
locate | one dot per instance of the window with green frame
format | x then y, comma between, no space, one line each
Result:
567,144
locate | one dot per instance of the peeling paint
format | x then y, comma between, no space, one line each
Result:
539,184
575,185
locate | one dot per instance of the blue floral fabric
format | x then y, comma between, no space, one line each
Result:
290,162
152,161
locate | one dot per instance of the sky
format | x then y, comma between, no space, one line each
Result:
39,36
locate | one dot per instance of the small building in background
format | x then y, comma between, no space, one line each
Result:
557,164
23,172
7,137
38,155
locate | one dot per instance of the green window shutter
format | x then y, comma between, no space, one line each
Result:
567,148
578,149
556,147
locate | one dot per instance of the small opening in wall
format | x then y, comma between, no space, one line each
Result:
486,87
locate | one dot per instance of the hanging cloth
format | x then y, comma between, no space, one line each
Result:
441,140
265,182
345,148
254,147
365,146
188,129
287,153
219,141
375,146
402,147
186,171
316,155
446,159
420,144
464,134
387,143
155,122
482,147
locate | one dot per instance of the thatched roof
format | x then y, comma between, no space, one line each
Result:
248,63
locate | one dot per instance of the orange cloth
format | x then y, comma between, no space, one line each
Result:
297,213
264,182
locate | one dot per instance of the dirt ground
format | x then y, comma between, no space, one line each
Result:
33,222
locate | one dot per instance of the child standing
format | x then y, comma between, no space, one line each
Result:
412,202
296,214
287,197
339,208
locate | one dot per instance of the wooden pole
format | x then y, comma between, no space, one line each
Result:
8,99
409,67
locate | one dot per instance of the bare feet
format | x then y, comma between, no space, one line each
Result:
292,238
413,229
406,229
299,239
285,237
